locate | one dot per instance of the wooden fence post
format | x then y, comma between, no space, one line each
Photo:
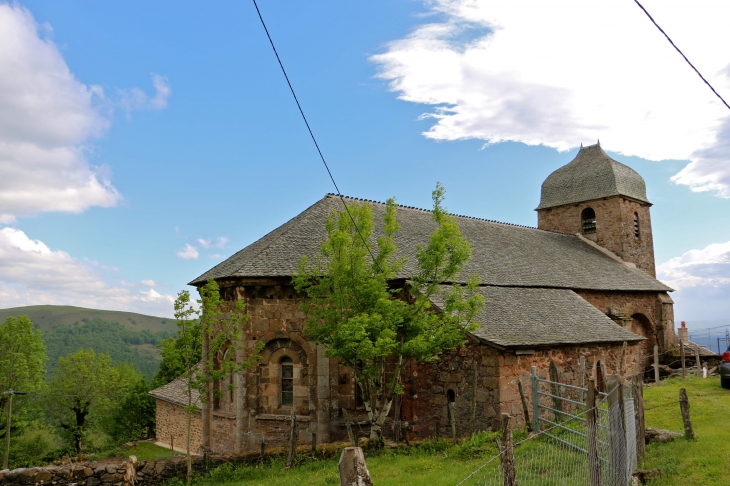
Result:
638,386
535,400
592,428
452,416
353,470
689,433
314,443
656,364
263,448
525,410
507,453
555,390
617,436
681,353
697,361
292,440
348,426
622,362
582,378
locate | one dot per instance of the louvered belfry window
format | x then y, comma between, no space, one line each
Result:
287,382
637,235
588,221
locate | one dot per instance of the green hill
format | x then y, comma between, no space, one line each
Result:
125,336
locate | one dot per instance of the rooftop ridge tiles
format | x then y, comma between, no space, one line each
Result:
330,194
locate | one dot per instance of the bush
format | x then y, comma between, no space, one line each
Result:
28,449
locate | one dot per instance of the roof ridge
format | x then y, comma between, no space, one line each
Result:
330,194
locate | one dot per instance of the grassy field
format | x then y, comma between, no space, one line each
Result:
686,463
703,462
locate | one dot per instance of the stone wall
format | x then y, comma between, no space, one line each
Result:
648,314
147,473
614,227
428,385
172,426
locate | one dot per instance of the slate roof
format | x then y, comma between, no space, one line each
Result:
529,317
503,254
591,175
176,392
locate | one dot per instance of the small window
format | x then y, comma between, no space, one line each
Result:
636,226
287,382
588,221
451,396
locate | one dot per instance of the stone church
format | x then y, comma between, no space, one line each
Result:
573,289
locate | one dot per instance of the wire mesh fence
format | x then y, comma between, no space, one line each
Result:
575,443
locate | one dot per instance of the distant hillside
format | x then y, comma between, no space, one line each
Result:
125,336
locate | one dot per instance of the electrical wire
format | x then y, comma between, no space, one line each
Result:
681,53
311,134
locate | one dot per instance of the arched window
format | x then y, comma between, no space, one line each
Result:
636,226
450,395
287,381
588,221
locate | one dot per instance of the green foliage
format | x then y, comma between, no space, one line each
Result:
372,325
22,368
111,338
226,354
85,388
189,339
30,448
133,418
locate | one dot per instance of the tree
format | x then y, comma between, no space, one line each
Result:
373,325
185,353
224,331
83,389
133,418
22,366
173,365
226,354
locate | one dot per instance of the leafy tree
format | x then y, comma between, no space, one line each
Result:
224,330
225,339
22,367
365,319
84,389
173,365
134,416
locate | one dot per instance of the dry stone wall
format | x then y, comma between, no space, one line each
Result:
147,473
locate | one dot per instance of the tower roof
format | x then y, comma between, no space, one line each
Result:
592,174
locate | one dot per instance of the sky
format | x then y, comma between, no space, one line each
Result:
143,143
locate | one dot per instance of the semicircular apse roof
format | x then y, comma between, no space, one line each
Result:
592,174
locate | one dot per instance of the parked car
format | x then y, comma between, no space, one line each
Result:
725,369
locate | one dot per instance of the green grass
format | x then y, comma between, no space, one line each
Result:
145,451
705,461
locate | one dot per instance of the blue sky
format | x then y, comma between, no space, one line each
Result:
143,143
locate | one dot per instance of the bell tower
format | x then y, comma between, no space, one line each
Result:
602,200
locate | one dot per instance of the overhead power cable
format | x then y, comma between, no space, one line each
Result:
311,134
681,53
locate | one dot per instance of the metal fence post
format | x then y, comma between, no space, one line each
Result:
535,400
656,364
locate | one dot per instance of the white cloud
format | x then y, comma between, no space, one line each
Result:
569,72
220,242
702,280
149,283
188,253
33,274
135,99
708,266
48,119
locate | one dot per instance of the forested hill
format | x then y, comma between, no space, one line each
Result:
125,336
